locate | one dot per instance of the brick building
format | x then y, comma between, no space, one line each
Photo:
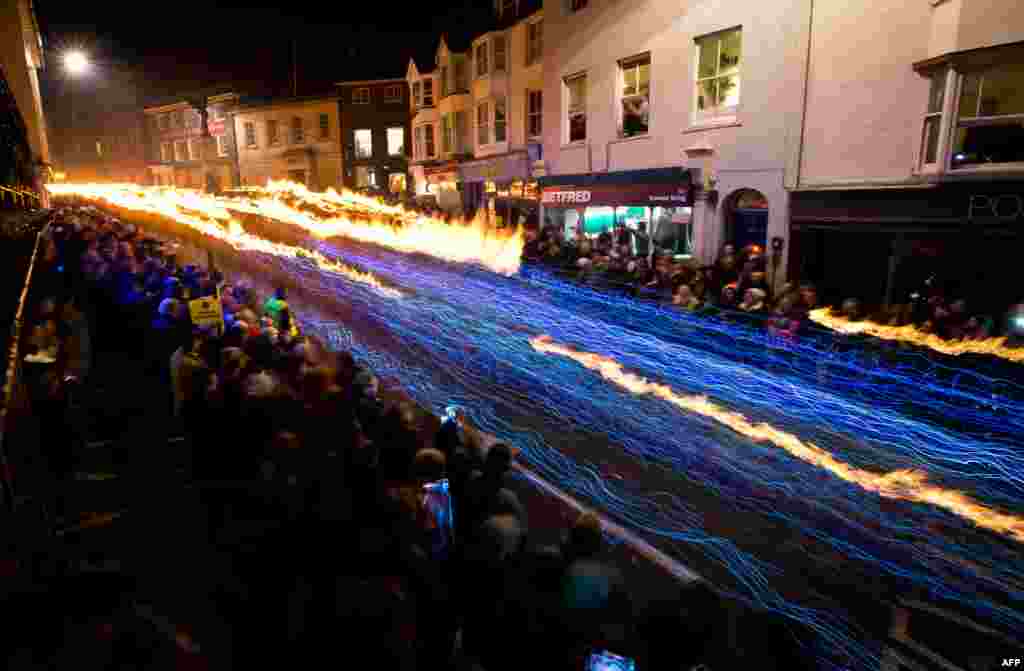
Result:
375,134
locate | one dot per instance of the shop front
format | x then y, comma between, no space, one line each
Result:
503,188
443,185
882,245
657,205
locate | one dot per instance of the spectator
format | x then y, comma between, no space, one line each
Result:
684,298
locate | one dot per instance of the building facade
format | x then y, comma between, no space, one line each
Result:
680,113
294,139
375,135
21,58
433,179
930,182
191,142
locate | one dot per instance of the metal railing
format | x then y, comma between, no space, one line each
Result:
19,197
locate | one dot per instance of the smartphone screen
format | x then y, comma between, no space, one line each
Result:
606,661
437,502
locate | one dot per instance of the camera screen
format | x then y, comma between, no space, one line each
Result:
606,661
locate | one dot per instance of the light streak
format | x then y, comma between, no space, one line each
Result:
911,334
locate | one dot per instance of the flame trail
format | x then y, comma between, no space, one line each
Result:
907,485
910,334
196,211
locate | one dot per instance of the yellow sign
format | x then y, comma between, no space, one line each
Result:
206,312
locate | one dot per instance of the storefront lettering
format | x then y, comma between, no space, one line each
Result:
567,197
1006,206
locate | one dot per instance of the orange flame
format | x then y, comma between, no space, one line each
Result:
907,485
203,214
910,334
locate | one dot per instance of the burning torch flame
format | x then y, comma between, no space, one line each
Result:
910,334
907,485
196,211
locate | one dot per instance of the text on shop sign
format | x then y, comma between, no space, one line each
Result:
1006,207
566,197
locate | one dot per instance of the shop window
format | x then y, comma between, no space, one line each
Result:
428,92
481,60
361,96
534,42
483,124
672,229
500,52
250,134
366,177
396,141
298,131
635,79
718,75
364,143
534,109
500,120
576,119
272,137
990,117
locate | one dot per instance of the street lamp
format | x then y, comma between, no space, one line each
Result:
76,62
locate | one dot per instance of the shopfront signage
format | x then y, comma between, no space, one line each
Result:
1006,207
565,197
665,195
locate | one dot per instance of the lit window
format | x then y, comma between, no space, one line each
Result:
933,119
499,53
428,140
250,134
577,5
272,136
180,151
99,148
393,94
446,133
500,120
534,42
718,74
361,96
483,124
576,94
481,60
428,92
444,81
534,107
989,127
396,182
636,95
325,126
416,94
364,143
365,177
166,152
298,131
396,141
222,145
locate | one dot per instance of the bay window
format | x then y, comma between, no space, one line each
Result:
534,42
499,53
298,131
483,124
500,120
428,140
534,119
416,95
461,84
933,119
444,81
428,92
635,76
481,60
718,75
576,115
459,146
446,133
990,117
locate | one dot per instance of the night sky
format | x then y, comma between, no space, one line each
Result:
178,46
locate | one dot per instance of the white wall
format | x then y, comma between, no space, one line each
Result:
986,23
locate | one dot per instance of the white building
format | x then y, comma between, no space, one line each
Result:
673,117
434,178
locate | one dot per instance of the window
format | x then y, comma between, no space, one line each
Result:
361,96
365,177
576,92
481,60
393,93
635,76
178,119
222,145
718,74
428,92
428,140
534,42
990,117
396,182
416,94
195,150
165,121
500,119
298,130
272,136
396,141
166,152
364,143
446,133
444,82
180,151
461,83
534,105
325,126
191,119
459,146
577,5
500,49
933,119
250,134
417,143
483,124
99,148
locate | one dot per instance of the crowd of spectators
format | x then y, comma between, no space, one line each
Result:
360,564
737,286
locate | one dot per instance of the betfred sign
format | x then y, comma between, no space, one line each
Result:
615,195
565,197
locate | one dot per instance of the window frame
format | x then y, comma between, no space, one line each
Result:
501,102
401,146
167,152
534,43
494,40
624,65
324,128
428,83
716,114
569,114
483,130
273,138
193,145
222,145
297,130
956,121
484,70
393,93
442,75
937,116
249,134
164,121
355,143
358,98
417,101
446,134
183,153
428,141
538,115
577,5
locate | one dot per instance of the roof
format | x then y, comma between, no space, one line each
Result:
254,104
526,9
367,82
184,96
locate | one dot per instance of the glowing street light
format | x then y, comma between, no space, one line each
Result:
76,62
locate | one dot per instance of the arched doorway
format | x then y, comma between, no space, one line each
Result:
747,219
